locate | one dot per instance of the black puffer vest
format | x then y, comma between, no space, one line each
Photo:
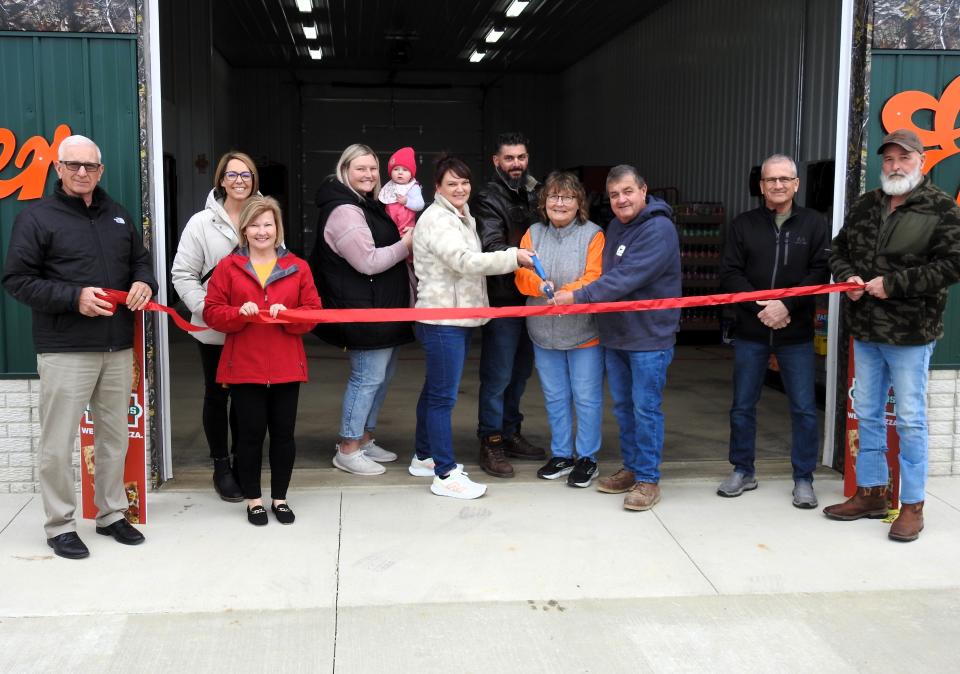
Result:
343,287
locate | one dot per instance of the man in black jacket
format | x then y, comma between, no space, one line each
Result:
64,250
779,245
505,208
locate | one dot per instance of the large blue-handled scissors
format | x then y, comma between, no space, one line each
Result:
537,267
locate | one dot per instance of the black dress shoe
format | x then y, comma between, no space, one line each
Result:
122,532
68,545
257,515
283,513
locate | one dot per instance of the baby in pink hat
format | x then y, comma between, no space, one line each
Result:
402,194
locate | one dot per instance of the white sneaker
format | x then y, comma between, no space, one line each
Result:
357,463
425,467
457,485
377,453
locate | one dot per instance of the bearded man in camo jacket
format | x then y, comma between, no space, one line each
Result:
902,242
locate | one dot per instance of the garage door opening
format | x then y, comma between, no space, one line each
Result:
694,93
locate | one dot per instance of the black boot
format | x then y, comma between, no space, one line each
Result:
224,481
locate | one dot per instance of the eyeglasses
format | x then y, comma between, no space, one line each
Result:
560,199
234,176
774,181
88,166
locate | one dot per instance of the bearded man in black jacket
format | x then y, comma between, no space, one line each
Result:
505,208
64,250
779,245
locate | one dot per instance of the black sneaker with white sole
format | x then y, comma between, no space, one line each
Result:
584,472
556,467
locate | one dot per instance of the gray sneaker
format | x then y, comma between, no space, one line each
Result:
803,496
735,484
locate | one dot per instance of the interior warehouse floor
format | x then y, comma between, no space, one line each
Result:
696,406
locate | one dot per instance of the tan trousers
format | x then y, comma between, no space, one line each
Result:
68,382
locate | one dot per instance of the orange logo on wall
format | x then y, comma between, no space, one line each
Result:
898,113
32,179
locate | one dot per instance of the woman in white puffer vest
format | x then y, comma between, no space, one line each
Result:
208,237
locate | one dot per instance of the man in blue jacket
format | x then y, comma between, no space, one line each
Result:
64,250
641,260
778,245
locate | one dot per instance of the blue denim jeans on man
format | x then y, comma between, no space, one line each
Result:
506,362
636,380
571,380
796,362
370,374
876,367
445,349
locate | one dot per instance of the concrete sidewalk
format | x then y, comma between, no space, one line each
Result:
534,577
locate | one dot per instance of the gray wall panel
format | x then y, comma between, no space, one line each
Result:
698,93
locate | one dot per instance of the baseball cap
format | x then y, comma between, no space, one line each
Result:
905,138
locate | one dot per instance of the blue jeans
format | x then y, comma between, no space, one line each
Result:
572,379
797,373
636,380
877,366
370,374
445,348
506,362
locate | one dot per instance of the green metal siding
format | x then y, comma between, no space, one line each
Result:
88,82
893,72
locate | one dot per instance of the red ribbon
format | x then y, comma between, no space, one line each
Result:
390,315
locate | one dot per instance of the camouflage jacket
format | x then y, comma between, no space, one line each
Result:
917,252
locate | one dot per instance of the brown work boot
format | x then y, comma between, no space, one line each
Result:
869,502
518,447
909,524
617,483
492,461
642,496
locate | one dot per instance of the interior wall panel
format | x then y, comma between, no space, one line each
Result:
696,94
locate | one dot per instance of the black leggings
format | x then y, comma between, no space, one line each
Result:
215,404
261,408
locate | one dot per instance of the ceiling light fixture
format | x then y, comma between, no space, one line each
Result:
305,6
516,7
494,34
310,32
315,54
477,56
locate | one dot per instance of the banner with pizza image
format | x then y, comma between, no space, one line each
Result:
135,468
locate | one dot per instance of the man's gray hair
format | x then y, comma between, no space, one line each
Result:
622,171
73,141
778,159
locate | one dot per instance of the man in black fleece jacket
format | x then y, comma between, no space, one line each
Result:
778,245
64,250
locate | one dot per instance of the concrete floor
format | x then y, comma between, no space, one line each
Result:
533,577
696,406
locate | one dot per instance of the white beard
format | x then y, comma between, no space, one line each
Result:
896,186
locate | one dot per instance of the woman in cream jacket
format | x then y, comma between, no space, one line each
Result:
451,270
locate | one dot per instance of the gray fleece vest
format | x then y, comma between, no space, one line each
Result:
563,253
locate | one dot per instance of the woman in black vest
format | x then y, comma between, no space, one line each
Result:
359,262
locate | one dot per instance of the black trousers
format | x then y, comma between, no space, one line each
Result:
216,399
262,408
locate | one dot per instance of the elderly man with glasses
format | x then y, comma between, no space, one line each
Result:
64,250
778,245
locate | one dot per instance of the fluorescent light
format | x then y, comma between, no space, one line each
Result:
310,32
494,34
516,7
477,56
305,6
315,54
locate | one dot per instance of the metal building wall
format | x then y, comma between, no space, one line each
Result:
700,91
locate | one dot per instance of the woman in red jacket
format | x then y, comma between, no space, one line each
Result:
262,363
